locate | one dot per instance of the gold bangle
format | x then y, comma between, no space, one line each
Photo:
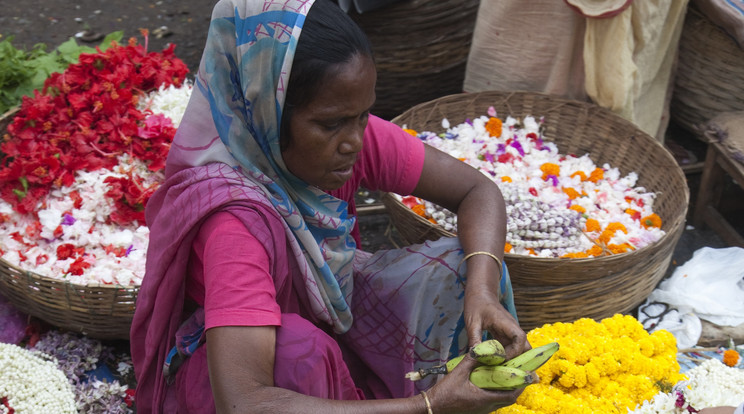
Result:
491,255
428,403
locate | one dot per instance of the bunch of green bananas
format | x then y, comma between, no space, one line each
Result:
496,373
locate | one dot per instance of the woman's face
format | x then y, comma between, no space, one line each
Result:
325,136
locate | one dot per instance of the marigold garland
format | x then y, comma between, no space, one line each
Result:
601,367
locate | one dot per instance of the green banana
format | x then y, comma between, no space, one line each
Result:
501,378
489,352
534,358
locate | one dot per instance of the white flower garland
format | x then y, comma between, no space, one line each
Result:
86,226
710,384
33,384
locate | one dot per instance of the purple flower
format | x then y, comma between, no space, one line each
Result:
68,220
489,157
468,121
500,149
518,146
450,135
129,249
554,179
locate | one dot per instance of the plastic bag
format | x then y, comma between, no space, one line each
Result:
709,286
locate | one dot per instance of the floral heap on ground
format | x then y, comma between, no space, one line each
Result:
80,160
616,366
558,205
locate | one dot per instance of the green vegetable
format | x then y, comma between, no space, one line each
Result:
21,72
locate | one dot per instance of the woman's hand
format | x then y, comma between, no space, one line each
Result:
484,313
456,394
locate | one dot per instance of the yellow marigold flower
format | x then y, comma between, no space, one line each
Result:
571,192
596,175
592,225
581,175
411,131
651,221
506,179
647,347
731,357
550,169
493,126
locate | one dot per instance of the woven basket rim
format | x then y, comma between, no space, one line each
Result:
52,280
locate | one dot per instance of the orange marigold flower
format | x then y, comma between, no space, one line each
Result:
506,179
419,209
577,255
605,237
578,208
550,169
493,126
651,221
411,131
731,357
572,193
463,159
507,247
595,251
596,175
431,220
618,248
581,175
615,226
592,225
532,252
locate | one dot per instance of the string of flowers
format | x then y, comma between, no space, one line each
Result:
32,383
77,356
558,205
710,384
73,188
608,366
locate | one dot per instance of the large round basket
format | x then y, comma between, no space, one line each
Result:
710,74
99,311
548,290
421,49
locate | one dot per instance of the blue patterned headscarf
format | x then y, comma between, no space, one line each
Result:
234,117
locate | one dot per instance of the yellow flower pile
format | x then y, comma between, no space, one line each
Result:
601,367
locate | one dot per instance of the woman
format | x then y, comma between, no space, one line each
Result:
255,297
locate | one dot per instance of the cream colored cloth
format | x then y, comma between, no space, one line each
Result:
530,46
624,63
629,61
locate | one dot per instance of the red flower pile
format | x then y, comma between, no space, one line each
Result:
84,119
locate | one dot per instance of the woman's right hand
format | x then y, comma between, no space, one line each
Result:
454,393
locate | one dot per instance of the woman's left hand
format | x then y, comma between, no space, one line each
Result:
484,313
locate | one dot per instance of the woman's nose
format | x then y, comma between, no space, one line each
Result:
352,144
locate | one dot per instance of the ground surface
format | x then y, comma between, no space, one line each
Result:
183,22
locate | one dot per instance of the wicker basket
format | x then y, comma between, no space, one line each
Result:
421,49
710,74
549,290
99,311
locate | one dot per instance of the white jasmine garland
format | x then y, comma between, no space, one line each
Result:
32,383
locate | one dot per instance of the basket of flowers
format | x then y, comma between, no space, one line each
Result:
78,163
560,164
